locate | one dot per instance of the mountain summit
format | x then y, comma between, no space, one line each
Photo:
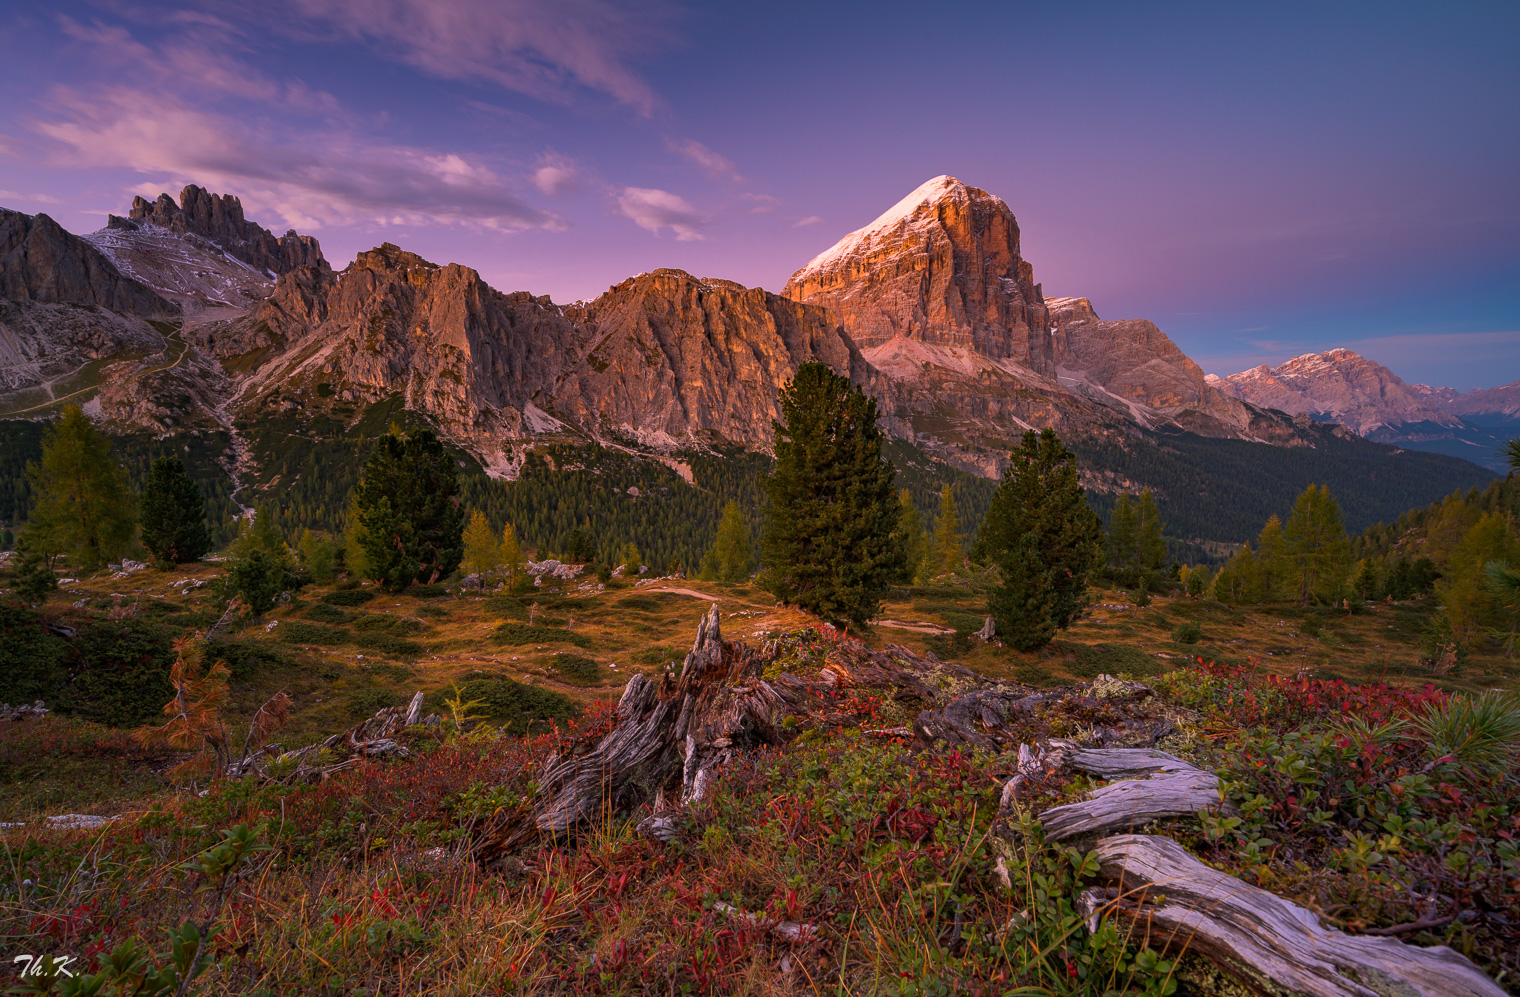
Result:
942,267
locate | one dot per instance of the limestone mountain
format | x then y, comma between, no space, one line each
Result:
1342,386
42,263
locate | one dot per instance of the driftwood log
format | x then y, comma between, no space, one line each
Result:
1272,946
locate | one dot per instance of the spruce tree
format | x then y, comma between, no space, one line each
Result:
731,557
172,513
510,553
1152,544
83,508
1123,542
831,543
1045,540
33,574
408,507
261,564
947,554
1318,550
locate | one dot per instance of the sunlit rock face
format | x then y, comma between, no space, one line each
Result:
941,267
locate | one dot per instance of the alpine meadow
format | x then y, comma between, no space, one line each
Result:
866,621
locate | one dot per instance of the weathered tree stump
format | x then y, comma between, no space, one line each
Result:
685,725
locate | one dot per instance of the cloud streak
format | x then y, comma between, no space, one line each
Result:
548,51
309,180
654,209
718,165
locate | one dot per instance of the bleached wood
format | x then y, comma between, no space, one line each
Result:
1270,945
1171,787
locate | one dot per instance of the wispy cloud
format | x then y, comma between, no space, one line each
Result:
545,50
654,210
807,222
714,163
761,204
308,179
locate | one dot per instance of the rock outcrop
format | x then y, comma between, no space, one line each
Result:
41,262
942,267
672,357
480,362
219,219
1134,362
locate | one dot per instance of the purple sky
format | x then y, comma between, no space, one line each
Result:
1260,184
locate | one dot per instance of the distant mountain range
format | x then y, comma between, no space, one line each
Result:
188,318
1345,387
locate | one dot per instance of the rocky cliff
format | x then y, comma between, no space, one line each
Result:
941,267
1135,362
219,218
40,262
672,357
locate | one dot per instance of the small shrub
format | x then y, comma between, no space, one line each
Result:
576,669
398,625
517,707
522,633
1111,659
121,675
1187,633
640,603
348,597
365,703
297,632
388,643
1473,730
33,657
326,612
435,591
653,656
246,658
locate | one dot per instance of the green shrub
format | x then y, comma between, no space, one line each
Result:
576,669
436,591
398,625
121,673
1111,659
33,658
365,703
517,707
1187,633
246,658
296,632
388,643
522,633
324,612
1473,730
506,605
641,603
348,597
657,655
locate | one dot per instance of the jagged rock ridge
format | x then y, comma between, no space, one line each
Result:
219,218
40,262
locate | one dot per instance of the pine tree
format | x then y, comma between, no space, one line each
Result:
947,553
915,541
1318,550
1152,544
83,508
261,563
510,553
173,514
831,542
319,555
731,557
1272,564
1123,543
409,512
482,548
1045,540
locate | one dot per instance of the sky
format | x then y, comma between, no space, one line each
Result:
1260,180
